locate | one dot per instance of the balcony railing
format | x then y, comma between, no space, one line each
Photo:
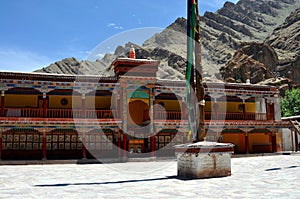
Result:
169,115
60,113
106,114
235,116
23,112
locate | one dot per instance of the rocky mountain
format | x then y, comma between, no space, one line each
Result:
280,53
224,34
252,61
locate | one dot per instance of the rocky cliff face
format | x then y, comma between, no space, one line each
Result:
253,61
280,53
285,39
222,32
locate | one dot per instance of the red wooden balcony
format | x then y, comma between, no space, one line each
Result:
236,116
169,115
107,114
60,113
23,112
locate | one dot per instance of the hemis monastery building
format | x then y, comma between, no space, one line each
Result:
131,114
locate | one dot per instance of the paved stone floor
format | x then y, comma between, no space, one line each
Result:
252,177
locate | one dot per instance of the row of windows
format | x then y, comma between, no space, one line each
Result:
18,141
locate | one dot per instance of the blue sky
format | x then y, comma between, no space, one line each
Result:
35,33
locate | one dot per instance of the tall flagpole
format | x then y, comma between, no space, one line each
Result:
199,79
194,103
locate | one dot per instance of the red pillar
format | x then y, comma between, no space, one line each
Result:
274,144
83,146
216,109
184,111
119,143
247,143
2,104
44,148
83,106
153,145
244,111
124,144
0,146
44,105
270,111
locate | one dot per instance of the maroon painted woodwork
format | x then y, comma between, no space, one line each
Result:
119,143
44,148
141,67
44,107
274,144
124,144
83,111
2,106
0,147
247,143
83,151
153,145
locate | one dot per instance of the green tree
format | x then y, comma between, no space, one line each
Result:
290,104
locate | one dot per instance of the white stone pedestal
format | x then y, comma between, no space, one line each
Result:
204,160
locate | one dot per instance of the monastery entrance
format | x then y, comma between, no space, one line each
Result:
138,112
138,121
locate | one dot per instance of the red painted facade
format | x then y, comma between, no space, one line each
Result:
46,116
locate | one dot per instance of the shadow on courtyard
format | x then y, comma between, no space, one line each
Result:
115,182
278,168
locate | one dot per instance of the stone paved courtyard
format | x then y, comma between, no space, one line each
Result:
252,177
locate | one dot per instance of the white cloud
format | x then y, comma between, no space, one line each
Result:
22,60
111,24
119,27
115,26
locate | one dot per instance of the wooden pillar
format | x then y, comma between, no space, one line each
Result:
292,139
118,106
296,142
270,109
83,133
274,143
83,145
124,144
0,145
152,133
124,111
216,110
244,111
184,111
44,105
3,103
83,112
119,143
153,145
124,119
44,146
246,142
